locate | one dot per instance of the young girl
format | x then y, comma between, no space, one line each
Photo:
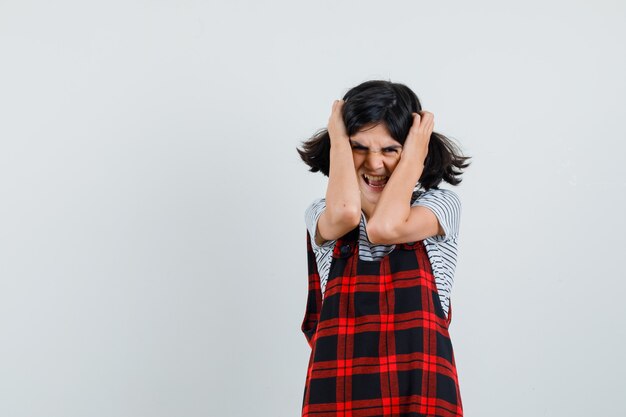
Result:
382,252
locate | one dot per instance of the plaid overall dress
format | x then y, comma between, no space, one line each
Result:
379,340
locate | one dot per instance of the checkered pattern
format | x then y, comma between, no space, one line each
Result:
380,342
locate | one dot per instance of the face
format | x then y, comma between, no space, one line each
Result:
376,154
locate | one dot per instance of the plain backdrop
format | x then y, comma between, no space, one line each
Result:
152,235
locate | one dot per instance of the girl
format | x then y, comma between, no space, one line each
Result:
382,252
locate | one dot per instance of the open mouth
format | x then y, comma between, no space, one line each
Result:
376,182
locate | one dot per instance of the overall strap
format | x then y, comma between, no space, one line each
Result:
420,247
314,298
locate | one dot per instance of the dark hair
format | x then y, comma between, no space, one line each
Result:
377,101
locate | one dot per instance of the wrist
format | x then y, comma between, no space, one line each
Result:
413,160
340,141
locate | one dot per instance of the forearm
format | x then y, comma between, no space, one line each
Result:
394,206
343,196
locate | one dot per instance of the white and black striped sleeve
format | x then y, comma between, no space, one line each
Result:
447,207
311,217
323,253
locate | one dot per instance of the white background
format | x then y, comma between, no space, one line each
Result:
152,236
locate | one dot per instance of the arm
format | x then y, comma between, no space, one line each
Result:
394,220
343,197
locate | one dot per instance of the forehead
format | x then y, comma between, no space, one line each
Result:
377,136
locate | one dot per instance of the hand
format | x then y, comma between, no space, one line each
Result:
336,127
416,144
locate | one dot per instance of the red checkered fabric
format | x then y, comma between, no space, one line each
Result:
380,342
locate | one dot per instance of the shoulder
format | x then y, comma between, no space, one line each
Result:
446,205
314,210
440,197
311,217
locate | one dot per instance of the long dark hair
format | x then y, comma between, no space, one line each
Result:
378,101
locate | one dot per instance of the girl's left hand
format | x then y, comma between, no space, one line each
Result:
416,144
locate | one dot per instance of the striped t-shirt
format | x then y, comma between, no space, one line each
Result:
442,250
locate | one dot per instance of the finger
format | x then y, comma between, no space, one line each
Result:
422,125
428,121
335,111
426,115
431,120
337,106
415,125
336,125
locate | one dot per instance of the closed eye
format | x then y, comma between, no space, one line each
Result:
360,148
392,151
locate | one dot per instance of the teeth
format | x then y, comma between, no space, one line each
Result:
375,178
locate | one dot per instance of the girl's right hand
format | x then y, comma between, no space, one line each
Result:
336,127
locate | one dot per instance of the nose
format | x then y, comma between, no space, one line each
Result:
375,160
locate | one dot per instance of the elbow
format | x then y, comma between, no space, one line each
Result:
379,234
347,215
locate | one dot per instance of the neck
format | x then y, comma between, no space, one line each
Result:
367,211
